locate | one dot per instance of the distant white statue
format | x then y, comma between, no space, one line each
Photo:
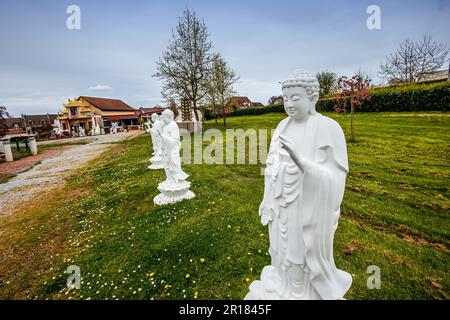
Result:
81,131
114,127
96,129
303,190
74,133
155,130
58,131
175,188
57,128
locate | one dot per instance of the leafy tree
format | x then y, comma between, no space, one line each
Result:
327,82
220,86
184,66
272,99
413,60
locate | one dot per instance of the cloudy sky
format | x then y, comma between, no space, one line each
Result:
42,63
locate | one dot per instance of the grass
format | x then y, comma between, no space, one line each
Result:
394,215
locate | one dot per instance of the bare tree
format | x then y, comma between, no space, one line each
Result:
183,67
272,99
220,86
413,60
327,82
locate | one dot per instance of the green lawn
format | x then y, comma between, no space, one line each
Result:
395,215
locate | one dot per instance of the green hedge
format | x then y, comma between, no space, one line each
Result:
434,97
256,111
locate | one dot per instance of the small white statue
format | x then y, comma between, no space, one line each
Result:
175,188
114,127
155,130
57,130
303,190
57,127
96,130
81,131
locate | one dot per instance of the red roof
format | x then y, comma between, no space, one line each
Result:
121,117
238,102
108,104
148,111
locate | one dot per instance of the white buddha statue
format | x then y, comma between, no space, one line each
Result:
155,130
303,190
81,131
170,137
114,127
175,188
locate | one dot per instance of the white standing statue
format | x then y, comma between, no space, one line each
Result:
114,127
97,130
175,188
155,130
303,190
82,132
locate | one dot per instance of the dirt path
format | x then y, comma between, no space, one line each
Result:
17,166
52,171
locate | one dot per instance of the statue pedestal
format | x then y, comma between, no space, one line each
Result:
172,193
190,126
156,163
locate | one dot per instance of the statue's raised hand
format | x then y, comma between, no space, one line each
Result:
290,149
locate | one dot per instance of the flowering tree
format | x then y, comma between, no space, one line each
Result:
353,91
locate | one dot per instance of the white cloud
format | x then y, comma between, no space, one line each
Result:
100,88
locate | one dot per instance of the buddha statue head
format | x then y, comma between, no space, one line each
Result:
300,94
167,116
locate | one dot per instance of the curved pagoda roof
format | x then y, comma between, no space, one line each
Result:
77,103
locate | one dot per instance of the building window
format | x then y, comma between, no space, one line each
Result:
73,112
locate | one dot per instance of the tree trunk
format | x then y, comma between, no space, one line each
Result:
224,117
194,104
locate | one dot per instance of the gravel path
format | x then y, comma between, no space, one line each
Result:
23,164
51,172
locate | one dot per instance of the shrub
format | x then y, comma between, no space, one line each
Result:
256,111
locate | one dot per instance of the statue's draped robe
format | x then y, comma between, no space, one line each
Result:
302,210
171,153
